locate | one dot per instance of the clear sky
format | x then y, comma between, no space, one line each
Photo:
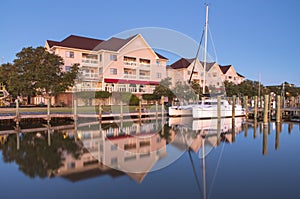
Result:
255,36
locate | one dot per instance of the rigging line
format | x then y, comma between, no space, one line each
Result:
198,50
215,175
213,44
192,162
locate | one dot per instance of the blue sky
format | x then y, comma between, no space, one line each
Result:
255,36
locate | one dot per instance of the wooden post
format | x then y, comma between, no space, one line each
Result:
265,140
17,129
156,108
162,106
255,129
17,112
266,111
121,109
278,109
246,106
48,109
100,113
233,105
219,108
246,129
255,107
277,138
270,107
140,109
49,133
219,132
75,109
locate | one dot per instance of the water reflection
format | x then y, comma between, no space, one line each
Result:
81,151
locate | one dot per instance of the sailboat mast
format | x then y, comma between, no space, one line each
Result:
205,50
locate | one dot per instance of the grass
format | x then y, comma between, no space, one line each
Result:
81,109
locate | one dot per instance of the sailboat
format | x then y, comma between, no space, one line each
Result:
208,108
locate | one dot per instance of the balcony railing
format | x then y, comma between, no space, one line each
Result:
129,63
144,77
129,76
90,75
90,61
130,89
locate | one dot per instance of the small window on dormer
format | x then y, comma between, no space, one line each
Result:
113,57
69,54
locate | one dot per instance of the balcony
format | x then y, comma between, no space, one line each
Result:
90,62
94,76
129,76
147,77
130,63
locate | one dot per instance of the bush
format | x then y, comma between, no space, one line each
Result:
134,101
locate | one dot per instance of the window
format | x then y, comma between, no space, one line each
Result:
70,54
189,72
100,57
113,57
229,77
158,75
145,61
71,165
114,161
113,71
100,71
113,147
67,68
158,63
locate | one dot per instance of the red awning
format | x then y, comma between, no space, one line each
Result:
125,81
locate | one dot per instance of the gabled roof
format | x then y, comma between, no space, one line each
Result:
181,63
113,44
224,69
240,75
160,56
209,65
74,41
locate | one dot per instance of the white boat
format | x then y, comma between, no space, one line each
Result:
209,109
183,110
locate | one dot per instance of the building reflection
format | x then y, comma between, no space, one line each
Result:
132,149
88,150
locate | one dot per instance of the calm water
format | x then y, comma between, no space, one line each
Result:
176,158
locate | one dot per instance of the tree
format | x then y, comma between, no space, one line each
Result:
35,158
163,89
41,74
184,92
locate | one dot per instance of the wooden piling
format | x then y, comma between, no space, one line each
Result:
277,138
246,106
100,112
255,129
140,109
162,106
255,107
233,105
49,133
265,141
278,109
266,107
75,115
156,109
219,108
121,109
17,112
48,109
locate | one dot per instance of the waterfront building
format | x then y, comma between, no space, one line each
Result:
230,74
113,65
182,69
